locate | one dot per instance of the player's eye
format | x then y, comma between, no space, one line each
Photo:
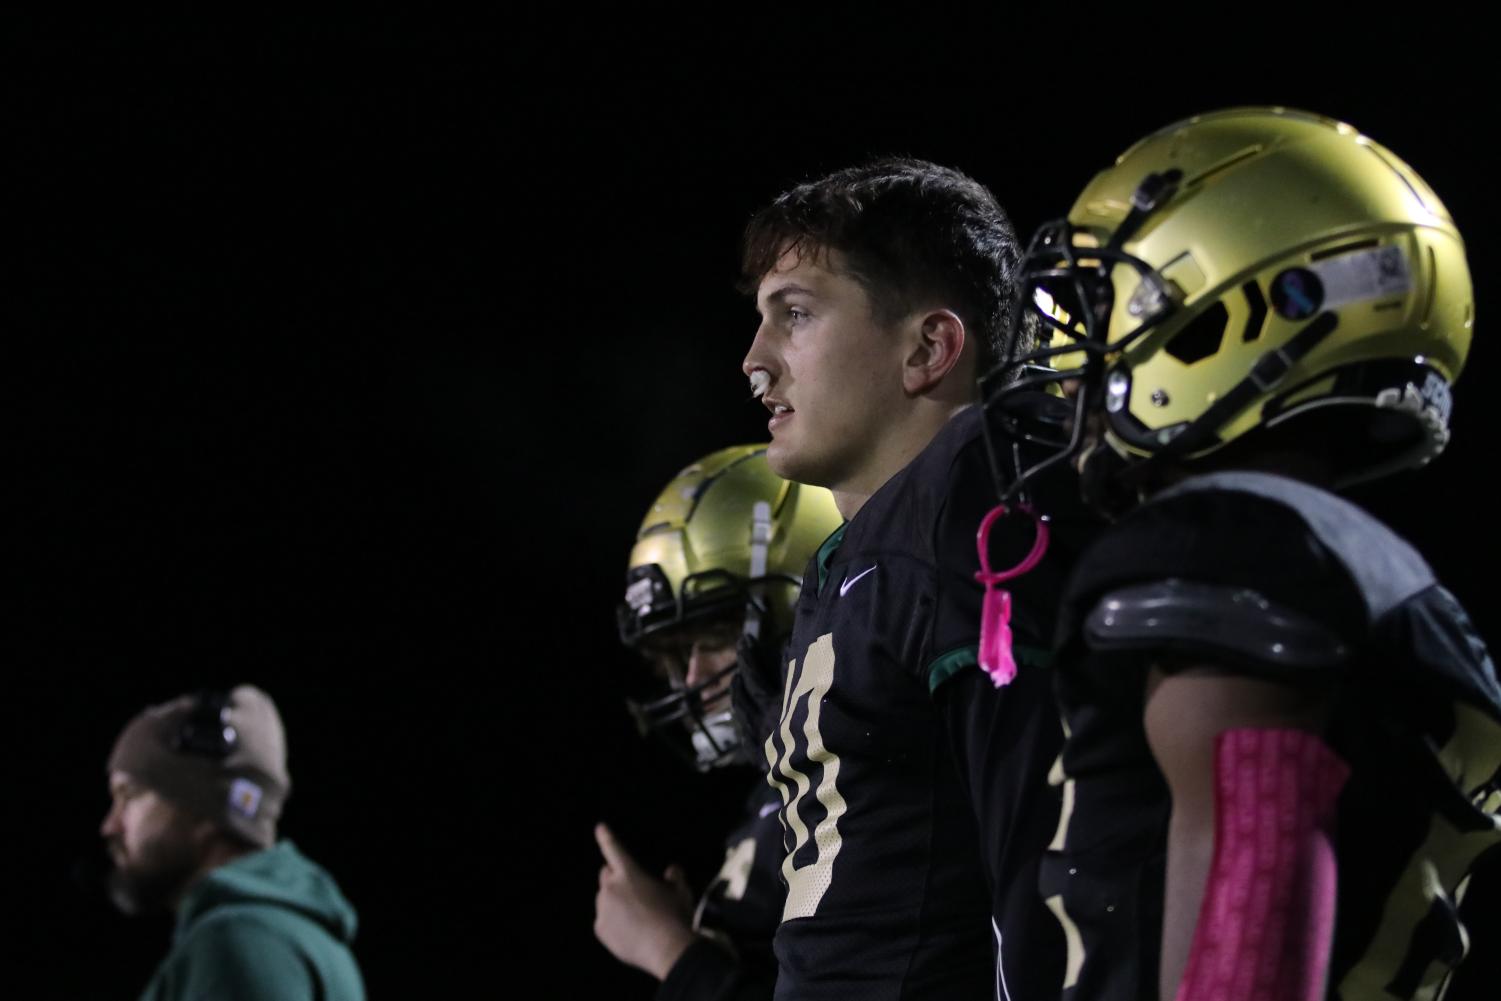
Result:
724,639
714,648
668,666
796,314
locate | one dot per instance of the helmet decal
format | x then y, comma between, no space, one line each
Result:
1297,293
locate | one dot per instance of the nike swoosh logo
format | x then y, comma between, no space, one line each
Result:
848,583
770,808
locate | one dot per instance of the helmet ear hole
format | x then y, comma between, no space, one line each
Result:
1202,336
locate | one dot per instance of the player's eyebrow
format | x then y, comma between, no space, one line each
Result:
780,295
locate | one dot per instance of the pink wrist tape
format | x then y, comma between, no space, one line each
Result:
1267,920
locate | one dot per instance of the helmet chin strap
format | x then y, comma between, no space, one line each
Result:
1270,369
760,541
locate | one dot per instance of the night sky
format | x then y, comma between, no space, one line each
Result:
346,359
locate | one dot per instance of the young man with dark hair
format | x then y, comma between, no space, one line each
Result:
883,290
1284,750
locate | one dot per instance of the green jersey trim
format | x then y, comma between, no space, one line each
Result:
951,663
826,553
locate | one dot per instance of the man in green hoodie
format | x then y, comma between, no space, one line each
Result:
197,786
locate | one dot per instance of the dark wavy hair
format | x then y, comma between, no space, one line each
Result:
910,232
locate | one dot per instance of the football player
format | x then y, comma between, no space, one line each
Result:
1284,734
715,566
882,291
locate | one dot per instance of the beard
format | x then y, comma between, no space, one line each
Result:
154,879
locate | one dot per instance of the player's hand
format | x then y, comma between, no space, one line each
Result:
644,921
756,691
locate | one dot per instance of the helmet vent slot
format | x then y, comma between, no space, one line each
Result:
1224,165
1344,248
1257,320
1203,335
1432,283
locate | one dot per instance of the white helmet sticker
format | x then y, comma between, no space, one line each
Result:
639,594
1365,274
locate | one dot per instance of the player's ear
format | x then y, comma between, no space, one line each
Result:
936,344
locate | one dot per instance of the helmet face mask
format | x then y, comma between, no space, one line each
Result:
698,707
1239,272
719,555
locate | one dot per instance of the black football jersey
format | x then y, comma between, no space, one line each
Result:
1272,578
743,903
737,915
886,881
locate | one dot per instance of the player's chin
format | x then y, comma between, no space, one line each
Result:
782,456
792,465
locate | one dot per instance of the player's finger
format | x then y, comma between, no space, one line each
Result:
616,857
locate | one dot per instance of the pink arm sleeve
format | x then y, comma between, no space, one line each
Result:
1267,920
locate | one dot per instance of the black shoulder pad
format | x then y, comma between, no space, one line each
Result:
1184,617
1384,566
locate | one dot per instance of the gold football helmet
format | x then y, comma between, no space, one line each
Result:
1244,270
723,547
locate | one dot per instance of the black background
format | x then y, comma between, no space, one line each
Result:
347,358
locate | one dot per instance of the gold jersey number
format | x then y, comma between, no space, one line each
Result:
807,685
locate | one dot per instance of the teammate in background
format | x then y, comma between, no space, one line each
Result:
1284,735
883,290
716,566
197,786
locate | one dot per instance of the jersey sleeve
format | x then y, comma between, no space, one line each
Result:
707,972
1444,643
1004,741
